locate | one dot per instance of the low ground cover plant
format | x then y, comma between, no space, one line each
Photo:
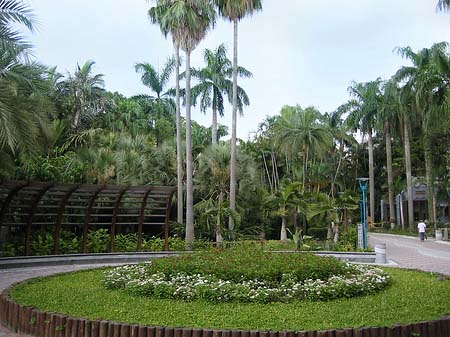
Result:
412,296
245,275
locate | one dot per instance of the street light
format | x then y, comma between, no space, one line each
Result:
363,183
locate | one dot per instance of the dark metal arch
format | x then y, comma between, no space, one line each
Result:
87,217
62,205
114,218
141,218
34,205
10,196
141,207
166,225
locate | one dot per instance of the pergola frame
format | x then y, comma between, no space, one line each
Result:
34,205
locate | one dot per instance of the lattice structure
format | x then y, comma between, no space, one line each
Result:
29,206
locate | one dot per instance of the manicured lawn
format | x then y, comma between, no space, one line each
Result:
413,296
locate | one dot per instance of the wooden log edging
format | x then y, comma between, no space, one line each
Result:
31,321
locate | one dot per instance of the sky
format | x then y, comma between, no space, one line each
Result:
304,52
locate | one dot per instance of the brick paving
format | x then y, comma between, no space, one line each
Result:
407,252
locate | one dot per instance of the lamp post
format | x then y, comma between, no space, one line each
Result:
363,183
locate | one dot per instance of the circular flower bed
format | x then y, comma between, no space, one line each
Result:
244,276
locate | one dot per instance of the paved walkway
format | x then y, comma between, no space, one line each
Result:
14,275
409,252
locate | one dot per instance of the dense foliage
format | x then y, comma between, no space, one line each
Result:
248,264
297,172
246,273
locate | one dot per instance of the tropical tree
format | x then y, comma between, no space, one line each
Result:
443,5
13,13
214,178
168,25
188,22
235,10
389,116
285,200
429,78
24,105
300,130
214,84
161,105
84,91
365,107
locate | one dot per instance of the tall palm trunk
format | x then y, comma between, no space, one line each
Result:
333,183
214,125
283,234
429,178
189,170
409,186
233,165
179,142
371,176
219,238
387,132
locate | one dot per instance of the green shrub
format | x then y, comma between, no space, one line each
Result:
319,233
243,263
98,241
126,242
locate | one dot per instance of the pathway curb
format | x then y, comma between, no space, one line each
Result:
33,322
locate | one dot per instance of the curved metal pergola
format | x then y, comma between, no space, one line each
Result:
31,205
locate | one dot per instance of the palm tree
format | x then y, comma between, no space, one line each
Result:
365,109
157,16
214,174
339,130
187,21
428,77
24,105
389,115
287,197
161,104
215,83
235,10
85,90
13,12
299,130
443,5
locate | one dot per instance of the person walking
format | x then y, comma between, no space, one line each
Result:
422,228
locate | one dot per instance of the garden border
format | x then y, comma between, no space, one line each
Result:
34,322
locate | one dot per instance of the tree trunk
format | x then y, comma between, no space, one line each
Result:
283,234
409,185
233,165
179,142
189,184
333,183
219,238
429,177
387,129
76,118
371,177
214,126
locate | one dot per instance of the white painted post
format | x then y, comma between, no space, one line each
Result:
380,253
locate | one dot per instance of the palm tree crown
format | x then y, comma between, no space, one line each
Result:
215,83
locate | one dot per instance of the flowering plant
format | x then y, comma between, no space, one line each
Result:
141,280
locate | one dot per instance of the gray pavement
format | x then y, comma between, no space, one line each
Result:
406,252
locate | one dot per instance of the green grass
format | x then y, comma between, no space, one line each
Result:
413,296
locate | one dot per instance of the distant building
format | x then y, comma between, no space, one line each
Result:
420,205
